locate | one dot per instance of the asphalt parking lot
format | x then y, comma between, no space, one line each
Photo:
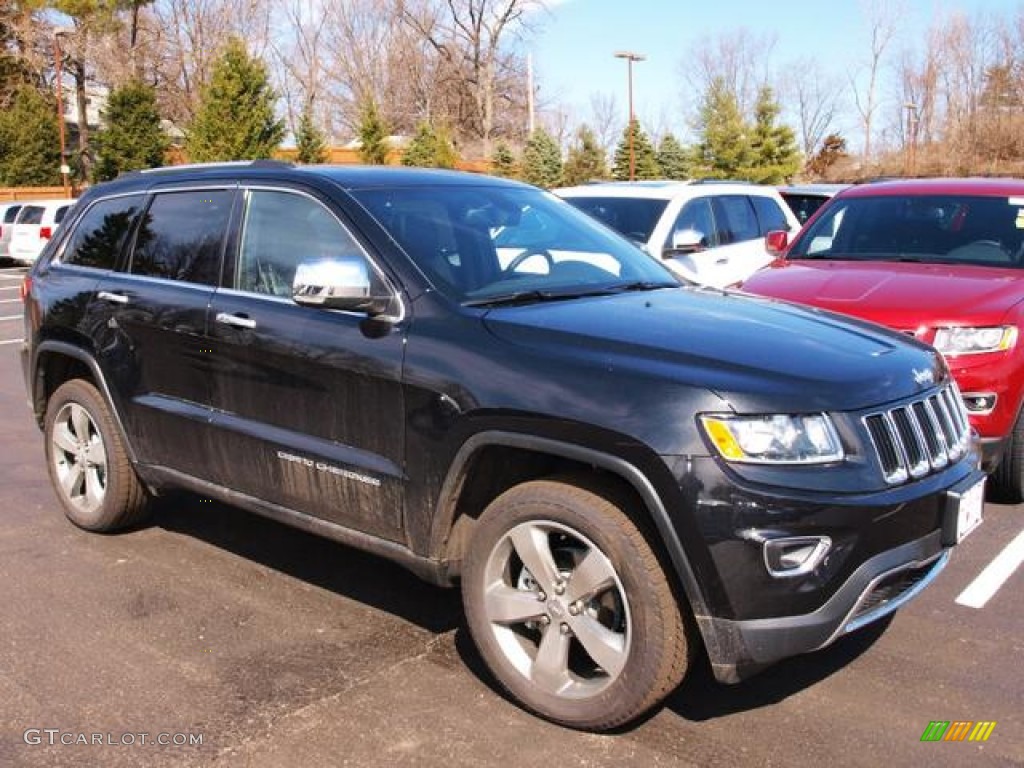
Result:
276,648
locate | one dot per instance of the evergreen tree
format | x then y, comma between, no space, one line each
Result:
775,154
542,160
673,159
586,160
430,148
723,149
310,144
29,141
645,161
373,135
503,162
235,119
132,138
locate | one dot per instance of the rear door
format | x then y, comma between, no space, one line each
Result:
151,316
25,233
10,213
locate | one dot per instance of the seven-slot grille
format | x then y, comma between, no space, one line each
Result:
920,437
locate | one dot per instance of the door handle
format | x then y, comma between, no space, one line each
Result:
113,298
723,260
237,321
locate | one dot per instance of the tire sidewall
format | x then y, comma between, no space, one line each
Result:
640,674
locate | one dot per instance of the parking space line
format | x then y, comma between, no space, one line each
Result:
10,317
11,341
9,301
988,582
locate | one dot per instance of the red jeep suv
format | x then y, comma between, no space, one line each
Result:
940,259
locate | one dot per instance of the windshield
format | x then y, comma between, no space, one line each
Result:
482,245
632,216
947,229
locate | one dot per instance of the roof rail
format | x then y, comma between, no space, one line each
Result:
722,181
261,163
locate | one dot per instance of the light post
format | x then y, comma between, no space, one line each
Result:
58,58
912,121
630,57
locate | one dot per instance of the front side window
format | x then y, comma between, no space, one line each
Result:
736,220
280,231
769,215
181,236
696,216
101,233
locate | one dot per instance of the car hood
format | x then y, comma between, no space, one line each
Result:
899,295
757,354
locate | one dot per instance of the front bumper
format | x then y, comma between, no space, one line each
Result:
877,588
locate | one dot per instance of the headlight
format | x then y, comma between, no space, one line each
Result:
775,439
972,341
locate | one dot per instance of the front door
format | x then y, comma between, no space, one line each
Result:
309,405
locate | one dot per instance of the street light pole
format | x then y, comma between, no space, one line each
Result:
912,121
630,57
58,58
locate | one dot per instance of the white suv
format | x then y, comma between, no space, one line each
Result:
34,226
709,232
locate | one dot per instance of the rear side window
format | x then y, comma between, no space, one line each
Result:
770,216
58,217
100,235
11,214
736,220
181,236
31,214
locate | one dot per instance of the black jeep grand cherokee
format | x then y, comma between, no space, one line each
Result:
472,378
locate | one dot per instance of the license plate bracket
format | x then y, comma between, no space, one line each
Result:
965,505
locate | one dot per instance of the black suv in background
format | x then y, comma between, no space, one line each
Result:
470,377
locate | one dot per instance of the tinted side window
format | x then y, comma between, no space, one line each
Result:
30,214
696,215
736,220
281,230
11,214
100,235
769,215
58,217
181,236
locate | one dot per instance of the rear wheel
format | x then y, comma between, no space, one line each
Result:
1009,475
88,463
570,608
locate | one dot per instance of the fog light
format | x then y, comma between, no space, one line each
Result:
979,402
795,556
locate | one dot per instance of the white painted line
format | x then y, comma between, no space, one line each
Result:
9,287
11,341
9,301
988,582
10,317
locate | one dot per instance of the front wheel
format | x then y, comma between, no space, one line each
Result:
570,608
1009,475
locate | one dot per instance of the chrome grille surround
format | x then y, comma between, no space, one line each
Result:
919,437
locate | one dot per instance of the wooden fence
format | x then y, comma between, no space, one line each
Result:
10,194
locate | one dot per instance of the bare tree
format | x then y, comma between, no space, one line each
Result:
299,52
739,60
814,96
883,21
605,120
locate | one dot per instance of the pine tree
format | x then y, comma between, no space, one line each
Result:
673,159
310,144
29,141
503,162
373,135
542,160
723,149
235,119
430,148
645,161
586,160
132,138
775,155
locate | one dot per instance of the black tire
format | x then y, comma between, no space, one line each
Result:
1009,475
638,611
87,461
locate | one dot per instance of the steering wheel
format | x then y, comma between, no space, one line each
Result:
525,254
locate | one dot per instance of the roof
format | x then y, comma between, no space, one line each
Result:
971,186
823,190
656,190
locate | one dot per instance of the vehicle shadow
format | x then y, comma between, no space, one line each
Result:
701,697
340,569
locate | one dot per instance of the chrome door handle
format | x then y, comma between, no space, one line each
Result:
114,298
723,260
238,321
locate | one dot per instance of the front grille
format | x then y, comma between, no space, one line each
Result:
889,589
920,437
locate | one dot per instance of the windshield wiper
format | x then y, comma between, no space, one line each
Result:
642,285
518,297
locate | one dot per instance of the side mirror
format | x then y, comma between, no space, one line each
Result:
344,283
685,241
775,242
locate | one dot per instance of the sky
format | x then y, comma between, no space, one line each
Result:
573,43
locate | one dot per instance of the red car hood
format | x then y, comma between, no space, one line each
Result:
899,295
